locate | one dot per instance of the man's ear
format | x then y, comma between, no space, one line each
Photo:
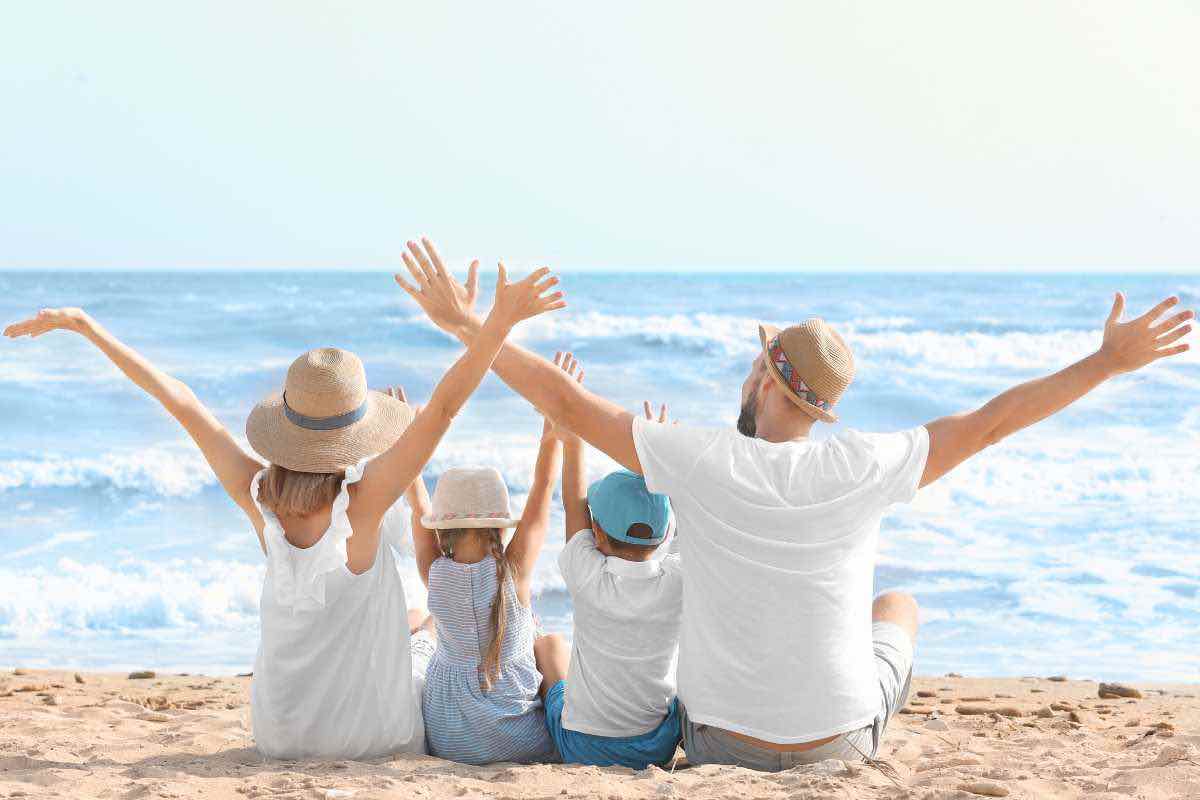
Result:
766,384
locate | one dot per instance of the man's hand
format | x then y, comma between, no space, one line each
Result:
1127,346
50,319
448,303
568,364
1132,345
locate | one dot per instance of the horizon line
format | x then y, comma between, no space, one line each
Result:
637,270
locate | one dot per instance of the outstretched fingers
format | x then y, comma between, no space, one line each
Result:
1172,351
418,275
1158,310
1118,308
473,279
406,286
1173,336
422,260
648,411
1173,321
433,256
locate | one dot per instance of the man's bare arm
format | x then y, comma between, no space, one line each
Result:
599,422
1127,346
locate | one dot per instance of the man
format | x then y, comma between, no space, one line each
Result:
783,658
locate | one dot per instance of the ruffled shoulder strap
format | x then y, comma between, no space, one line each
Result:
297,575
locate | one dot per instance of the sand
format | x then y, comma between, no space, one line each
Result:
188,736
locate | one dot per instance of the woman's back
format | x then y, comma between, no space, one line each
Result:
463,721
333,677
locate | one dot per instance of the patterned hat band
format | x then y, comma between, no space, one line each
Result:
780,360
451,515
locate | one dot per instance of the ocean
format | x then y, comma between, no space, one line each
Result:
1071,548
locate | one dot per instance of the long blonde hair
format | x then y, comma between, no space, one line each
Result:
298,494
490,670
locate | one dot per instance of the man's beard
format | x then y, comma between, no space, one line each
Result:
747,425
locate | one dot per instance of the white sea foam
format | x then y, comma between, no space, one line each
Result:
167,469
195,594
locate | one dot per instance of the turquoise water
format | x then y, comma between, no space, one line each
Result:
1071,548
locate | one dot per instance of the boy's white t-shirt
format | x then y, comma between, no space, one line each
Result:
778,558
627,613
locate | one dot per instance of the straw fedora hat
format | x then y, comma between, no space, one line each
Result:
470,497
811,362
325,419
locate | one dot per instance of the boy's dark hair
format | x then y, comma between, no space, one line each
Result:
639,530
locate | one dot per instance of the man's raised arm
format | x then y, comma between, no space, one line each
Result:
451,305
1127,346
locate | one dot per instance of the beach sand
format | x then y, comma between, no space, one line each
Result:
66,734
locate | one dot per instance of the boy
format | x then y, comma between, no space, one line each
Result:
617,705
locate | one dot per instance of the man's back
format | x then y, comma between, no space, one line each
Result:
778,562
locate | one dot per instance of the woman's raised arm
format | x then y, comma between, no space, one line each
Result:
232,466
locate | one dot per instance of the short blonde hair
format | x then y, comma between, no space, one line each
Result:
298,494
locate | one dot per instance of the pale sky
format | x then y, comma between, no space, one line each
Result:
667,135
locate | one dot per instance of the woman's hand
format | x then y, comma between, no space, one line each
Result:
524,299
1132,345
570,365
50,319
448,303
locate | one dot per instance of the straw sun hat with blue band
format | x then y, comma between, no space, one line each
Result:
325,419
620,500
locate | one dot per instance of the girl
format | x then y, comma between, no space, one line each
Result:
482,701
332,678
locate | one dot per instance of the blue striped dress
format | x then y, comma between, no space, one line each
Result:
462,723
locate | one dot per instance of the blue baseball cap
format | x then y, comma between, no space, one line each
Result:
620,500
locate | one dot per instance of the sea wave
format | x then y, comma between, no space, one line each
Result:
169,470
886,341
195,594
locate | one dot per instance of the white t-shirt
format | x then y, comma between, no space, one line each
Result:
622,676
778,557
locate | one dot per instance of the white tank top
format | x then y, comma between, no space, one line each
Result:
333,676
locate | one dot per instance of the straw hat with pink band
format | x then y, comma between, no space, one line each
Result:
811,362
470,497
325,419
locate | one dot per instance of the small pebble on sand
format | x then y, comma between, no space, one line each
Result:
985,788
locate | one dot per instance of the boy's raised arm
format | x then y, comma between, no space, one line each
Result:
574,474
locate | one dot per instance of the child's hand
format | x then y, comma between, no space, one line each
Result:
395,391
50,319
568,364
648,410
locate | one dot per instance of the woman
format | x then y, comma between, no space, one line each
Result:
333,677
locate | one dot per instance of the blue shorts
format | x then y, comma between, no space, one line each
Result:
636,752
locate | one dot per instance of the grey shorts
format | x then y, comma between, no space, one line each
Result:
705,744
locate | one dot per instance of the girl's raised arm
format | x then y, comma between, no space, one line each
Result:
392,472
232,466
425,542
522,552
